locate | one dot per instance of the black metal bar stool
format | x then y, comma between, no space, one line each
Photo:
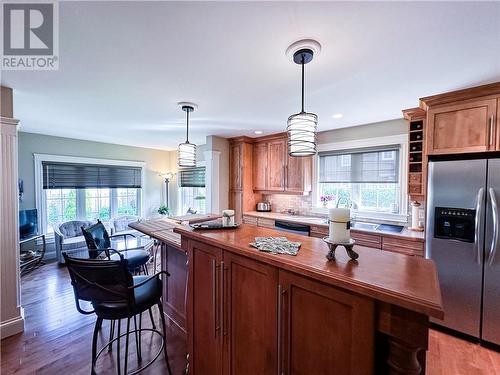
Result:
117,295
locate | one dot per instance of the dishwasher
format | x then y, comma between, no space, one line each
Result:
286,226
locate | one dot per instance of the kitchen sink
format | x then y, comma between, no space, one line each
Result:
366,226
377,227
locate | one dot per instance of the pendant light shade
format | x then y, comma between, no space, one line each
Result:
186,154
301,127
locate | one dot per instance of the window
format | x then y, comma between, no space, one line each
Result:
192,190
61,206
368,178
88,204
97,204
70,188
127,201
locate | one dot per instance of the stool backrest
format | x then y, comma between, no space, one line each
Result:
97,238
97,280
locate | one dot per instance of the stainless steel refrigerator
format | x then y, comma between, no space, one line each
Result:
463,240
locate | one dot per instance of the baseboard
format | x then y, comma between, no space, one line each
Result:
12,326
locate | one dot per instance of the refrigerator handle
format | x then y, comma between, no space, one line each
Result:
494,240
477,237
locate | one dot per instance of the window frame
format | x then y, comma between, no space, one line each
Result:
399,139
40,201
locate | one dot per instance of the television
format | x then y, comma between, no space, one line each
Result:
28,223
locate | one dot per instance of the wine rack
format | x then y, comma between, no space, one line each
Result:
415,158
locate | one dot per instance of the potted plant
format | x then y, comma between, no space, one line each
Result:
164,210
325,199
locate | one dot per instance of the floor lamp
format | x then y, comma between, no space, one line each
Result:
167,177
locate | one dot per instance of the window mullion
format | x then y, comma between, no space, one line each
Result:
80,204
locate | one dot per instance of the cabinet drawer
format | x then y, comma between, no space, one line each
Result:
249,220
415,178
320,230
403,246
366,239
269,223
415,189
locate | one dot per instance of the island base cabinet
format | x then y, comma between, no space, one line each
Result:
204,313
250,317
323,330
245,316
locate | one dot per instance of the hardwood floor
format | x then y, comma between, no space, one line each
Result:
57,339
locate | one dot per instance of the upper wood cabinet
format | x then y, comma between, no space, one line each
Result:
298,171
235,163
462,127
260,174
275,171
276,165
241,197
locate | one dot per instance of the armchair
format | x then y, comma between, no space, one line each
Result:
69,238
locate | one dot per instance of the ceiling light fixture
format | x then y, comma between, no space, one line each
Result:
302,126
187,151
338,115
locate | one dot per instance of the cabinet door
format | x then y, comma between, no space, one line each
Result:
298,174
276,165
235,178
204,309
250,319
325,330
497,125
236,204
260,166
174,262
459,128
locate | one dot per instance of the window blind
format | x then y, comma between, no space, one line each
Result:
57,175
374,165
192,177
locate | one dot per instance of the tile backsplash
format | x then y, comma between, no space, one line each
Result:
301,205
280,202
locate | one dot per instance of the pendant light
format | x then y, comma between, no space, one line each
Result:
302,126
187,151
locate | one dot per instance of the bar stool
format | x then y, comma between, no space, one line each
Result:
115,295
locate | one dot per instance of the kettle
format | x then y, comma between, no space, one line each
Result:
264,207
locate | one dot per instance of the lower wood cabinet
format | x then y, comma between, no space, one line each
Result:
323,330
204,311
248,317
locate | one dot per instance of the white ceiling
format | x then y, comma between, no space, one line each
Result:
125,65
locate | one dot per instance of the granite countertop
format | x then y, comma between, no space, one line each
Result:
320,221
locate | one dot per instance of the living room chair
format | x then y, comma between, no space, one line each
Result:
116,295
69,238
120,225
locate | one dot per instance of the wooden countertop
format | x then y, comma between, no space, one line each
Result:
159,229
320,221
409,282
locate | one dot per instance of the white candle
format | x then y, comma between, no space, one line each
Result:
339,229
228,218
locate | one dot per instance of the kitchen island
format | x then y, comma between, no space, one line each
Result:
250,312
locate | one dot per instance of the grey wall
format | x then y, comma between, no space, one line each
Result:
156,161
377,129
